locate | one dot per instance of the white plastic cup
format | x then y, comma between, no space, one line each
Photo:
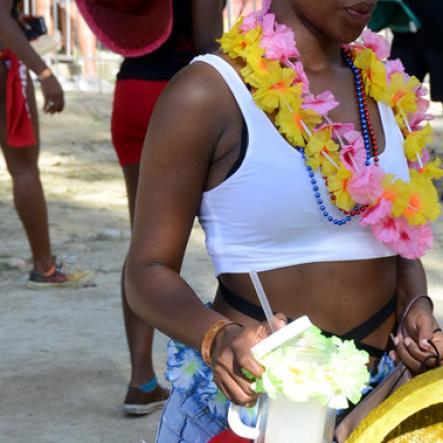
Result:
286,421
282,420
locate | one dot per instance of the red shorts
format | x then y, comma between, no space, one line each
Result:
134,101
20,131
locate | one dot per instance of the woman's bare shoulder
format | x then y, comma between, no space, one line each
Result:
200,88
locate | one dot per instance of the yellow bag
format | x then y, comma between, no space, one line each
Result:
413,414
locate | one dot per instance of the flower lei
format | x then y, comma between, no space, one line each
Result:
397,212
311,365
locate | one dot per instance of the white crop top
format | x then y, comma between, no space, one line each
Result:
265,215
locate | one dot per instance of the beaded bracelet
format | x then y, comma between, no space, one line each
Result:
208,339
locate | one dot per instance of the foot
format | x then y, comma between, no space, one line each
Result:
138,402
58,277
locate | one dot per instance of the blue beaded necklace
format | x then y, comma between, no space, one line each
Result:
369,142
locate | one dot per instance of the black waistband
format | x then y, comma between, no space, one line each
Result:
357,334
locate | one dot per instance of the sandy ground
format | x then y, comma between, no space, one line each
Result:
63,357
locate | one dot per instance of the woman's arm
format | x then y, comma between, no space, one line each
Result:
187,125
420,323
12,37
183,133
207,18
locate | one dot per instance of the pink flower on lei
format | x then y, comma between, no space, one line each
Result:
255,19
383,225
300,75
321,104
416,120
338,129
377,43
278,40
386,230
421,115
355,137
422,103
251,21
393,67
353,155
422,91
412,241
425,157
377,213
366,186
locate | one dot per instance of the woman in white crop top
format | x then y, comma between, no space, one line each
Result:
212,152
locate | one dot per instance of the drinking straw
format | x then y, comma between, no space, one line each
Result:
263,299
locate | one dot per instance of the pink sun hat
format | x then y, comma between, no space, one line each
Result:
129,27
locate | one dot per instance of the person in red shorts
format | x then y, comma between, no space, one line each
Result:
20,144
157,39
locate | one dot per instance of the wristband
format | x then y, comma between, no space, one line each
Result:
208,339
46,73
427,298
408,309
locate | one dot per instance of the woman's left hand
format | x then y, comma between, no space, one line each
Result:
53,95
414,349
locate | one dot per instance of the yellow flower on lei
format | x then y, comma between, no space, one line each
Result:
257,67
400,120
416,141
432,170
395,191
423,204
373,71
292,121
236,44
322,152
400,94
276,89
338,186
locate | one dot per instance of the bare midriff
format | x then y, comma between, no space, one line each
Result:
337,296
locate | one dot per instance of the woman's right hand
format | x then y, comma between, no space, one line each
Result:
53,95
232,354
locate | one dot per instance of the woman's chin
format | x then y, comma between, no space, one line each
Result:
350,31
351,35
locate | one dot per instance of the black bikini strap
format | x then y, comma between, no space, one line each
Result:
240,304
369,326
361,331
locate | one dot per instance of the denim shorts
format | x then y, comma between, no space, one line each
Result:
185,421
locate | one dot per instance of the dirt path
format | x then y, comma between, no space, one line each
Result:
63,358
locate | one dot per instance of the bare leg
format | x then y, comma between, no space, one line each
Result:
130,123
138,333
87,43
29,198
